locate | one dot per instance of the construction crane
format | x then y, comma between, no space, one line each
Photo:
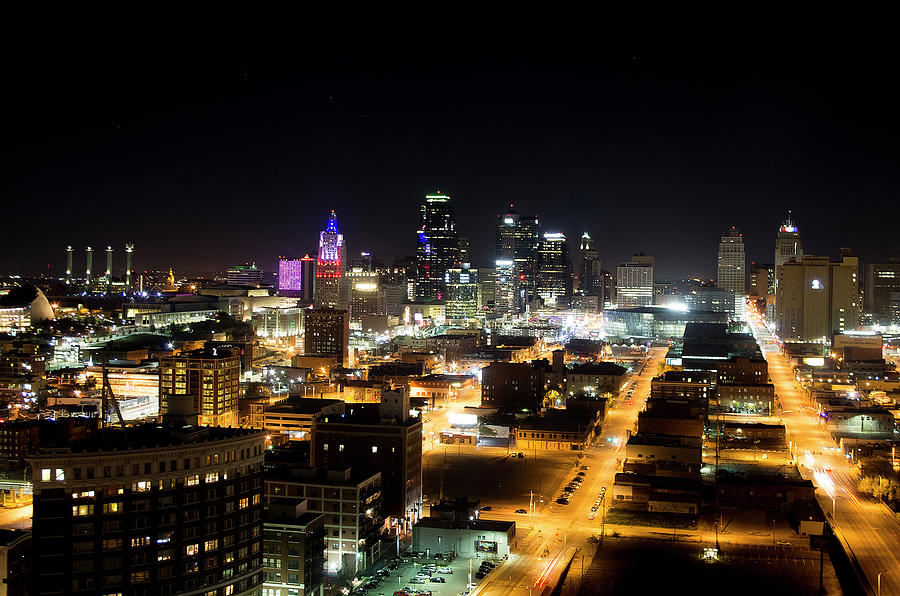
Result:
109,398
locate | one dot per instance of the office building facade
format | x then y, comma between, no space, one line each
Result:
150,510
437,247
244,275
732,262
462,293
331,289
327,333
553,279
883,291
634,282
205,382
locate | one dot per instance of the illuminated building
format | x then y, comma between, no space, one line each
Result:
244,275
518,238
276,322
787,245
290,279
150,509
327,333
589,275
437,248
294,548
716,299
634,282
366,297
732,263
331,291
90,264
129,250
207,379
505,287
553,279
107,277
762,280
351,541
816,297
883,291
68,266
461,303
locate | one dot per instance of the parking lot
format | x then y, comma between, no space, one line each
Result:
401,577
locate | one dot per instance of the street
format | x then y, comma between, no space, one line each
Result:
868,528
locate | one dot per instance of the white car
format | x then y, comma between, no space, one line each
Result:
446,570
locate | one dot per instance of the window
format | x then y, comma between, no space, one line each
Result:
192,480
79,510
191,549
212,477
112,543
211,545
374,448
60,475
113,508
340,447
140,541
244,503
45,474
142,486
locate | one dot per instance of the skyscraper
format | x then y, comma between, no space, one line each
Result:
331,291
787,245
518,237
202,381
589,268
732,262
462,293
554,271
883,291
248,275
437,247
634,282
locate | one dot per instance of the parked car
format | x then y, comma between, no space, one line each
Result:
585,467
520,455
582,473
562,501
487,508
445,570
438,580
480,575
521,511
418,580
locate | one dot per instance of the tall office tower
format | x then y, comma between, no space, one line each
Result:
464,250
589,268
883,291
505,293
307,278
68,265
204,382
107,278
150,509
129,250
437,247
554,271
330,267
518,238
845,302
248,275
362,261
787,245
732,263
87,275
462,293
290,276
816,297
634,282
366,297
327,333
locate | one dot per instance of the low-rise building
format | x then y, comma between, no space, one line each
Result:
642,447
597,378
293,418
440,389
556,433
466,538
747,399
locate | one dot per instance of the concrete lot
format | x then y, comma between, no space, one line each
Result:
502,481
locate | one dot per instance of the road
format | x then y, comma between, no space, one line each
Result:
548,537
868,527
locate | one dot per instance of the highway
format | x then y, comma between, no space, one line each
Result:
548,537
869,528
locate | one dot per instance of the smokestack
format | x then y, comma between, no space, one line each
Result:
109,252
90,262
129,248
68,265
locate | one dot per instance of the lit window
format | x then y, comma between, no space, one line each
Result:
211,545
45,474
79,510
191,549
374,448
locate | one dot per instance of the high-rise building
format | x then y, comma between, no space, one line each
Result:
461,303
248,275
88,268
883,291
554,271
129,250
205,382
327,333
437,247
589,268
634,282
518,239
150,509
787,245
816,297
366,297
732,262
762,280
331,291
290,276
68,265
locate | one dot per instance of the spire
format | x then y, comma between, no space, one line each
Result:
332,227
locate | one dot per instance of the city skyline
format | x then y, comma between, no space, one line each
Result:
699,141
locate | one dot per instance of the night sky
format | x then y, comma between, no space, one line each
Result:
207,151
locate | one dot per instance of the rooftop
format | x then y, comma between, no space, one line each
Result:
487,525
146,436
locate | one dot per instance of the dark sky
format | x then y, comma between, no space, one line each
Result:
209,150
